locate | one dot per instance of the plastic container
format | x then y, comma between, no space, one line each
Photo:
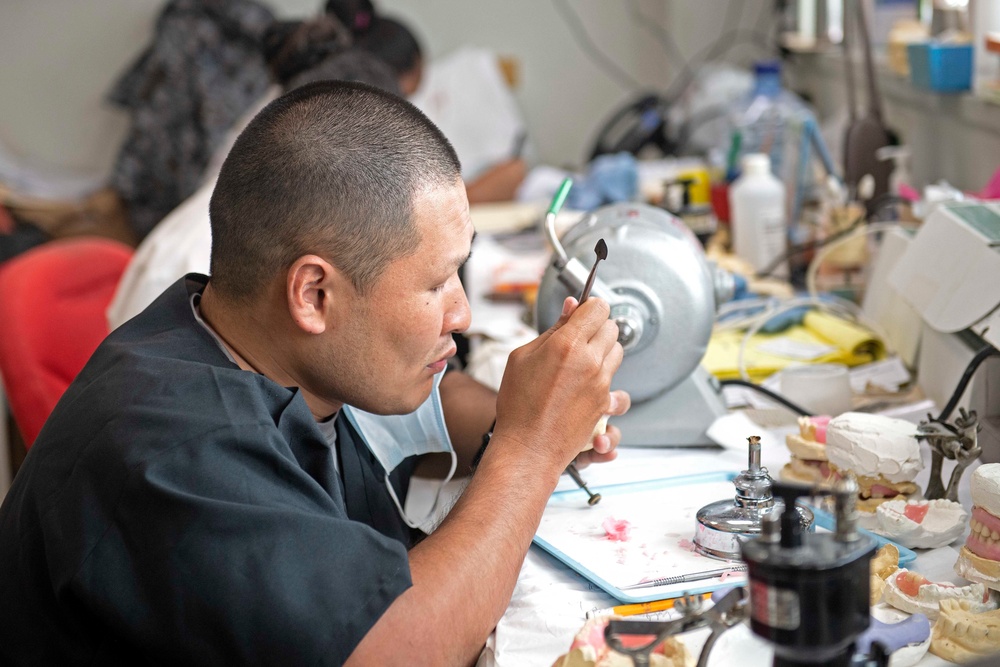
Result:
757,214
768,121
944,68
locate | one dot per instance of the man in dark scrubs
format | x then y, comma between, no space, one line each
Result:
207,493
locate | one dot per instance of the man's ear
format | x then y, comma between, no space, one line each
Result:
312,285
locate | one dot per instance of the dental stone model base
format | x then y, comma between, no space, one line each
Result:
962,635
915,594
809,463
979,559
883,565
590,649
921,524
882,452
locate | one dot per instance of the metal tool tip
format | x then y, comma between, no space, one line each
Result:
601,249
594,499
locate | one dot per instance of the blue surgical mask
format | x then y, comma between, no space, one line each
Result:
393,438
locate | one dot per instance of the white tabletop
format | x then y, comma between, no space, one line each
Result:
550,600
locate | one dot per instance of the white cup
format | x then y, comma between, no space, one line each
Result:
823,389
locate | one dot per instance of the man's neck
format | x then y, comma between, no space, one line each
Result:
250,342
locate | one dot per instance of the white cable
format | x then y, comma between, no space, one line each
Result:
837,305
834,303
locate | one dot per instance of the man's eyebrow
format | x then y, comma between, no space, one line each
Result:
461,262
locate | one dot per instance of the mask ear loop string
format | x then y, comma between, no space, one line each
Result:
437,496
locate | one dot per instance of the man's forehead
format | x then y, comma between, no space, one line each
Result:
443,210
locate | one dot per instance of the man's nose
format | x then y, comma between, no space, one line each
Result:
458,316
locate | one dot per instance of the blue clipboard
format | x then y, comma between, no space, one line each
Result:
571,532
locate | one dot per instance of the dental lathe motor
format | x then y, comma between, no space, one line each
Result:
663,294
809,592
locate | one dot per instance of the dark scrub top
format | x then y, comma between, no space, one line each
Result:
177,510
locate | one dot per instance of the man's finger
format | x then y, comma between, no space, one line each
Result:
570,305
619,402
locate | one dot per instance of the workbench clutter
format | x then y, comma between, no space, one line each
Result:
835,594
805,335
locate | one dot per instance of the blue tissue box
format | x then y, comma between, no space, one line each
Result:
940,67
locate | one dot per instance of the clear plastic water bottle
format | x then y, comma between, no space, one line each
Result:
770,121
757,214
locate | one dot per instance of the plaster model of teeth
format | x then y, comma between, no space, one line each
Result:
600,429
979,559
884,563
921,524
809,463
962,635
883,454
589,649
914,593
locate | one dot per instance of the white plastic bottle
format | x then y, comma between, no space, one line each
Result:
757,214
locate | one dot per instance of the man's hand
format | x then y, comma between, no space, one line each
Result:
605,445
556,388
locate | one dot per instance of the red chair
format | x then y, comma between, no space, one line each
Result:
52,303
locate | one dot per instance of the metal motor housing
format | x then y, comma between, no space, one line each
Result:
662,290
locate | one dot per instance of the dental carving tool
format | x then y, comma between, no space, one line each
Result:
601,249
685,578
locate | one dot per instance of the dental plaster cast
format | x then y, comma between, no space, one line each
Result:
913,593
962,635
589,649
921,524
907,638
809,463
600,429
885,562
979,559
882,452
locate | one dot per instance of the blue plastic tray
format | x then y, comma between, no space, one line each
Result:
662,513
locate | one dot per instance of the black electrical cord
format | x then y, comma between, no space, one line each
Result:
981,356
884,201
806,247
770,394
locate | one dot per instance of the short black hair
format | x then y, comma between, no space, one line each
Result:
331,169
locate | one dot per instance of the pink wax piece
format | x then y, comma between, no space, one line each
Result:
820,422
616,529
916,512
687,545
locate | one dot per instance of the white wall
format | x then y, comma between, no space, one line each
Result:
951,137
58,58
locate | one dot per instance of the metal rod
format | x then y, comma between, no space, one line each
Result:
594,498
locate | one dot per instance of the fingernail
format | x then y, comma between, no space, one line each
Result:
566,307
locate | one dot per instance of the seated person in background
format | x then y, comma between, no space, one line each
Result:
208,490
181,242
385,55
465,95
